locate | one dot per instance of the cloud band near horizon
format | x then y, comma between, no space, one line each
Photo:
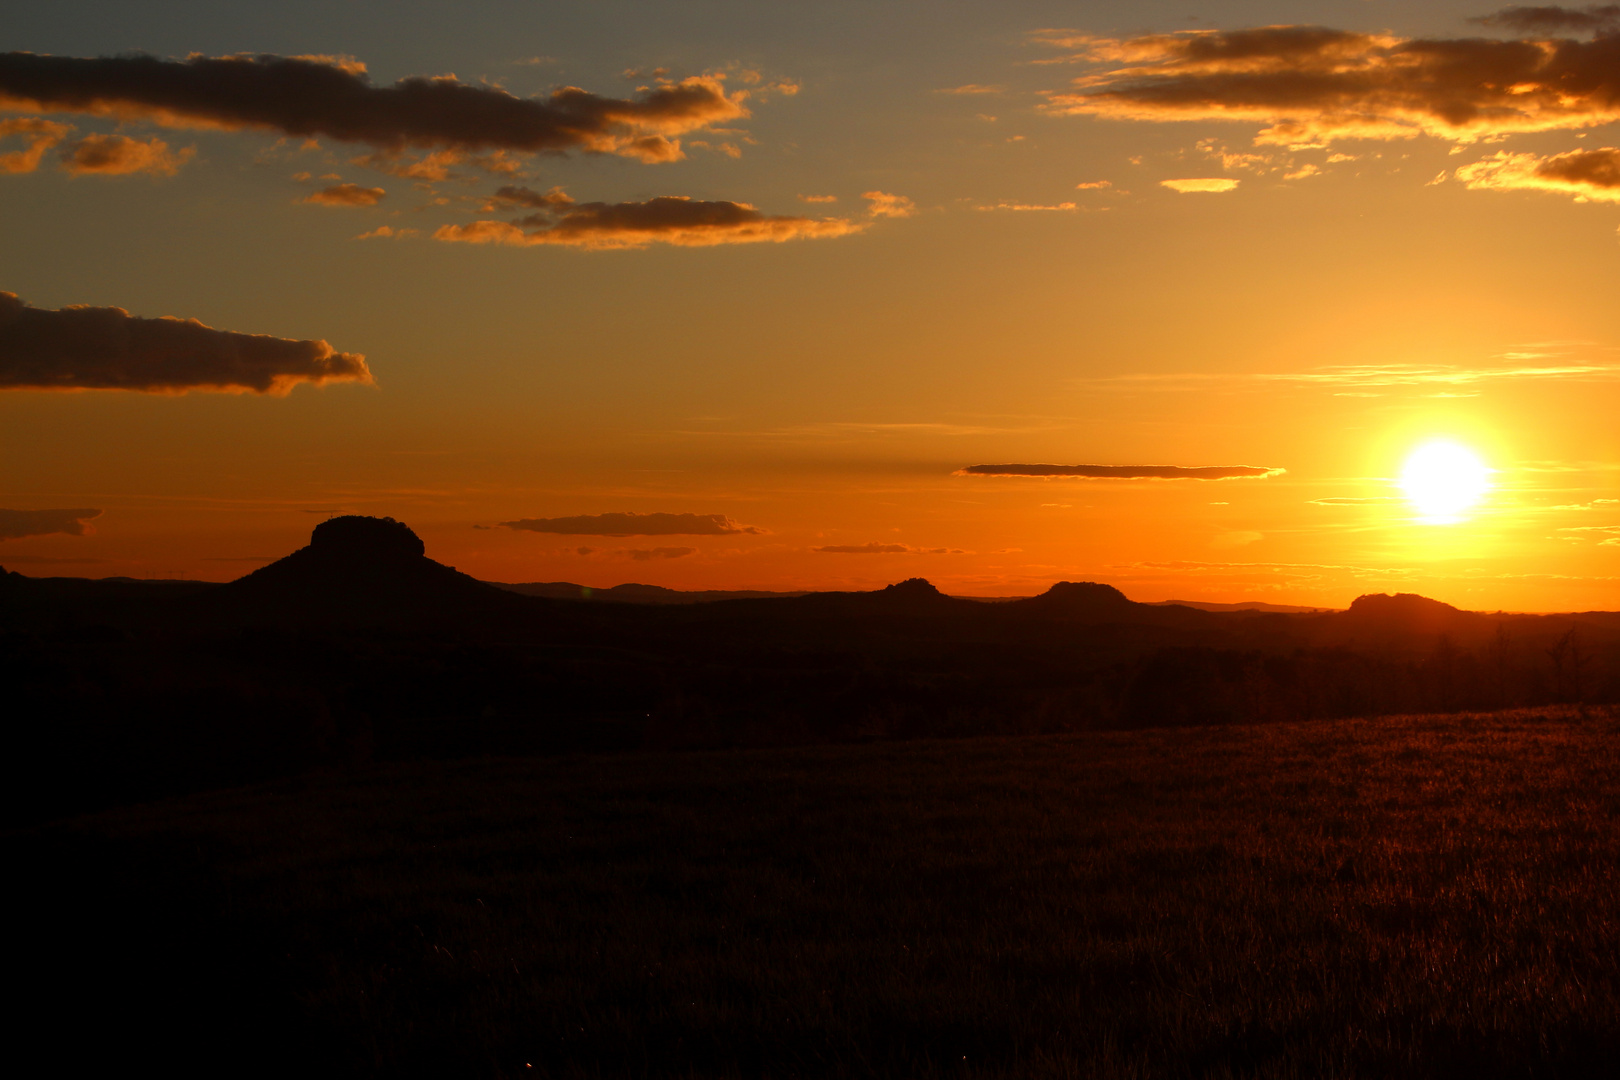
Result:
633,524
16,524
330,97
1128,472
107,348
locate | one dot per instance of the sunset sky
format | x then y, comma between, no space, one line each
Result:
737,295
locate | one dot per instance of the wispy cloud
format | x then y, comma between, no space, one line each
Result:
648,554
107,348
883,204
884,549
1127,472
633,524
1375,379
1547,20
1020,207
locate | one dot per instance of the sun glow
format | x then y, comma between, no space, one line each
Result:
1443,480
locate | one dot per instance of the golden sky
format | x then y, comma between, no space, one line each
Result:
719,295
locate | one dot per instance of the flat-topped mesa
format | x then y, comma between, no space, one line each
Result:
1081,596
365,538
911,589
364,571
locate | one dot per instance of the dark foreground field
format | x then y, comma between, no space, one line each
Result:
1411,896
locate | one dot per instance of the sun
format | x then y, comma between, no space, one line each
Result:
1443,479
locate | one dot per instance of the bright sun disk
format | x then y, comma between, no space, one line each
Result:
1443,479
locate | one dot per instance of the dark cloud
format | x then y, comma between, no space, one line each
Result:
15,524
107,348
1312,84
647,554
41,136
1547,20
318,96
1127,472
119,155
347,195
512,197
635,525
1585,174
668,219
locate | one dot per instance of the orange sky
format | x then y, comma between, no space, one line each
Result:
792,275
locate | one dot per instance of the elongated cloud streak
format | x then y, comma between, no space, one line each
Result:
1312,84
15,524
633,524
882,549
1127,472
648,554
333,98
107,348
668,219
1548,20
1585,174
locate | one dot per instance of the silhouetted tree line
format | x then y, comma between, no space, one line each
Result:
101,715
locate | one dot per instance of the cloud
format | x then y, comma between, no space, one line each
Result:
647,554
1356,502
972,88
385,231
1371,380
41,136
107,348
1127,472
119,155
884,549
887,205
1094,185
346,195
430,167
1390,375
15,524
317,96
1547,20
633,524
818,198
667,219
1312,84
1212,184
1585,174
1026,206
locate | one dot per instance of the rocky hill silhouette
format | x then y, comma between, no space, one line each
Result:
364,571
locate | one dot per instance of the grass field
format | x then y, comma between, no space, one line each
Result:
1407,896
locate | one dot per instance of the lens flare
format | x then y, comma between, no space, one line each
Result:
1442,480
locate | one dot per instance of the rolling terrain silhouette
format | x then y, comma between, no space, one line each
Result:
359,647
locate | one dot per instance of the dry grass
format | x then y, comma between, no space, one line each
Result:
1408,896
